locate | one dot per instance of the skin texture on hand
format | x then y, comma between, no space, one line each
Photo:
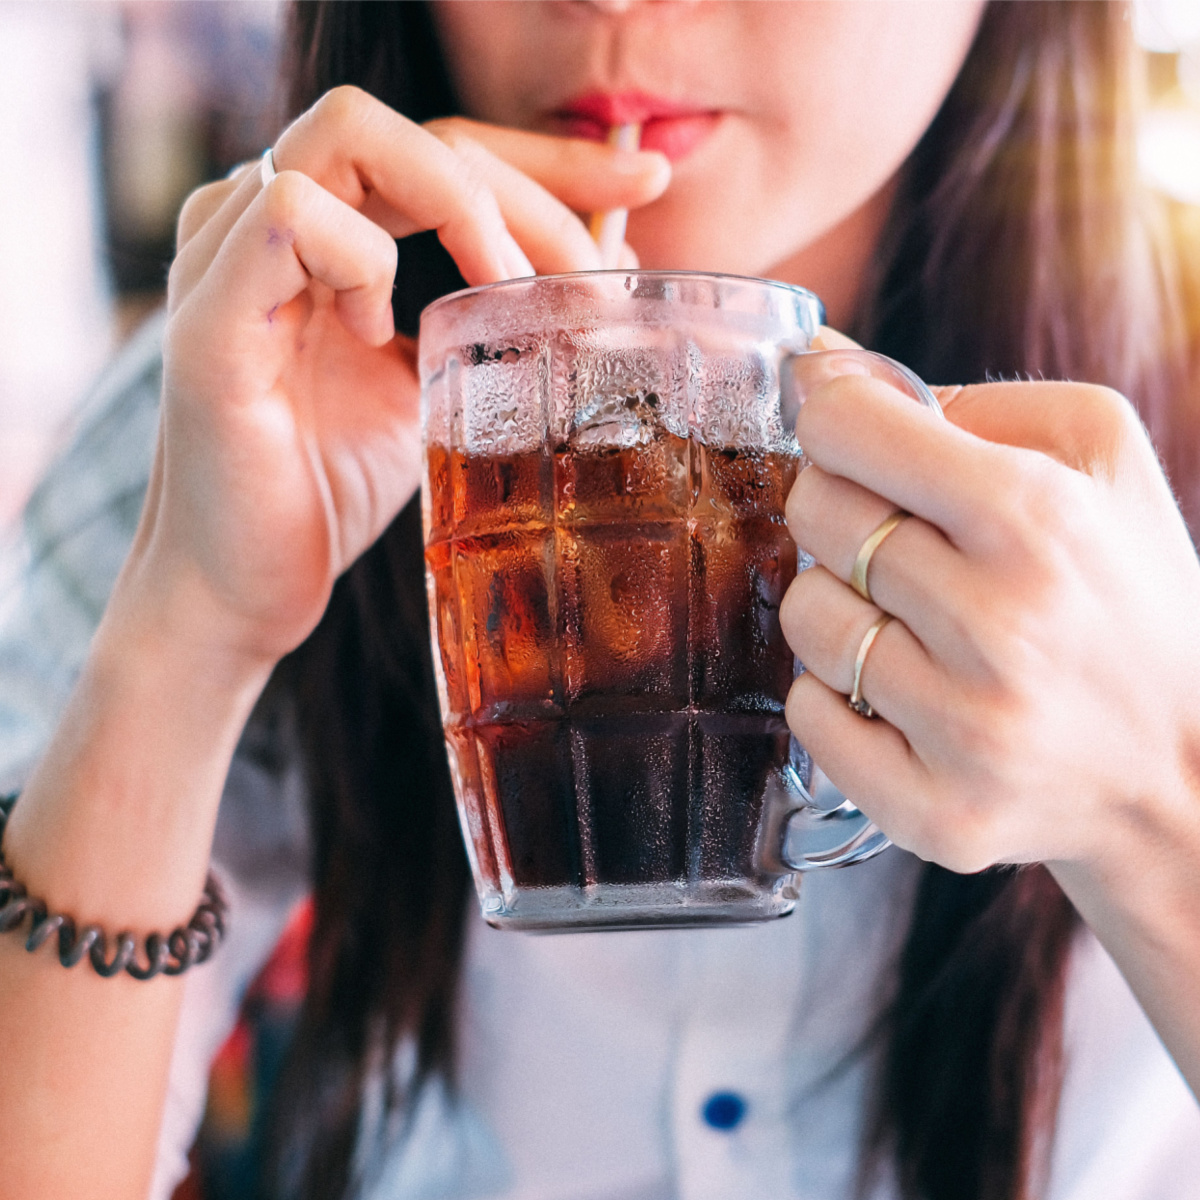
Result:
291,417
1035,694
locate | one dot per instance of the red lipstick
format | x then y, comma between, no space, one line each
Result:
672,128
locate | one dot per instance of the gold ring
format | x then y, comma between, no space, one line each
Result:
858,573
857,702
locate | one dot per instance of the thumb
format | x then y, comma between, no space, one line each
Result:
830,339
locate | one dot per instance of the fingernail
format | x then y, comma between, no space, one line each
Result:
830,339
807,372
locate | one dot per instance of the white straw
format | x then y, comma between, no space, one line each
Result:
608,228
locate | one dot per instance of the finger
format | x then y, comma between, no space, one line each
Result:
551,235
628,259
869,761
912,572
292,233
825,624
586,176
358,148
204,223
828,338
830,517
1092,430
199,208
864,430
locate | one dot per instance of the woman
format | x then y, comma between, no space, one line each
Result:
954,181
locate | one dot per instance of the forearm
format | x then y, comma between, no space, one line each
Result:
115,827
1143,903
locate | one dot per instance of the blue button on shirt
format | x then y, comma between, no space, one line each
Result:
724,1110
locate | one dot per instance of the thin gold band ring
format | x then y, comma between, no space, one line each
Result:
862,563
857,702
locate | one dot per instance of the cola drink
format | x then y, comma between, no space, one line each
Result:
613,673
607,458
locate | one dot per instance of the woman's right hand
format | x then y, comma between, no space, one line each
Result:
290,431
289,439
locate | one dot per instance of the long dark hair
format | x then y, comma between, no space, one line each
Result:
1018,244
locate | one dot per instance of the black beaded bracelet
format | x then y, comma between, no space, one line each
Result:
170,955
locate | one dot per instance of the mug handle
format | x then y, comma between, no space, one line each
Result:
824,829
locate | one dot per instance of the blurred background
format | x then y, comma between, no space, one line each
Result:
111,111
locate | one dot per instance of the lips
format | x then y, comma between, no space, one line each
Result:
673,129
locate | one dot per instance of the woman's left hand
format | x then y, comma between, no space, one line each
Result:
1038,688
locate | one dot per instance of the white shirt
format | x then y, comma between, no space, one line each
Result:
588,1061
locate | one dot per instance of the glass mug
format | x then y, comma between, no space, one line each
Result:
607,458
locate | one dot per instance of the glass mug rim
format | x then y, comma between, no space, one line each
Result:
791,839
656,273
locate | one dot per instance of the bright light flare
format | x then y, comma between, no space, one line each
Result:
1166,26
1169,152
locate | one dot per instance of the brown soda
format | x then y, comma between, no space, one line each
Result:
615,675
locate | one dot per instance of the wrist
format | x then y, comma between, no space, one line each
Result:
169,610
174,641
115,826
1138,896
1140,870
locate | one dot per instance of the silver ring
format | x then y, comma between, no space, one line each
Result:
266,169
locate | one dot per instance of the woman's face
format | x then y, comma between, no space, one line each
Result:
784,118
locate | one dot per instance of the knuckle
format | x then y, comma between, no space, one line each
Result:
1095,424
563,226
803,505
343,106
988,732
389,253
1045,513
385,257
798,701
454,132
1115,426
177,277
960,835
1016,491
195,212
966,851
793,607
816,414
1103,408
1034,498
285,196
